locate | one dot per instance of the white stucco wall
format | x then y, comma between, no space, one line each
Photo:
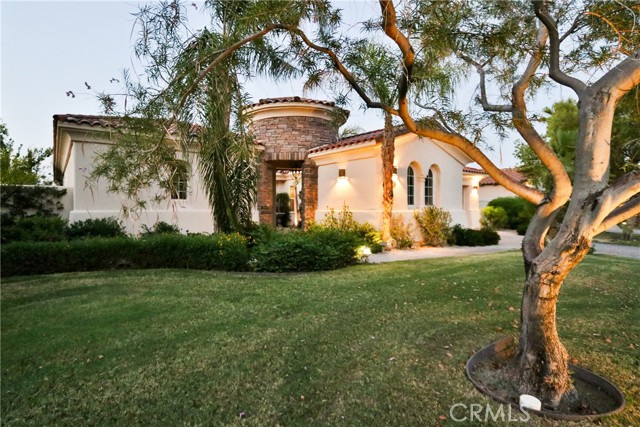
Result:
490,192
94,201
362,190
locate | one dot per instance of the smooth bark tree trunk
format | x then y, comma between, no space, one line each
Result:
387,153
542,359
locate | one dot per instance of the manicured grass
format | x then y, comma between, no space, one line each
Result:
616,238
371,345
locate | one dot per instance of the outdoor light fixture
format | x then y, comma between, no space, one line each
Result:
342,174
394,177
475,187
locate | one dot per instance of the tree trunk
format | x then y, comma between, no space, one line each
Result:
387,153
542,359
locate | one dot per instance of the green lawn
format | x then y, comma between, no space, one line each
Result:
371,345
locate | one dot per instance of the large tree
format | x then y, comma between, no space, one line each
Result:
514,48
510,45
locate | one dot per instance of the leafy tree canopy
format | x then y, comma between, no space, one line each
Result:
17,168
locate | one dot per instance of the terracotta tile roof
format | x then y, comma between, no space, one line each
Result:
81,119
469,169
103,121
374,135
291,99
511,172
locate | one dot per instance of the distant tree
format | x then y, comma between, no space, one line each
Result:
17,168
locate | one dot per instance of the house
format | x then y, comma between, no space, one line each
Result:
301,155
490,189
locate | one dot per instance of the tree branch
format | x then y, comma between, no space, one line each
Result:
555,72
621,78
619,214
224,55
486,106
562,187
458,141
342,70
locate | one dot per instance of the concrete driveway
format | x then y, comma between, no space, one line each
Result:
509,240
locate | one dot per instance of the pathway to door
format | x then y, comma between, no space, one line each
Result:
509,240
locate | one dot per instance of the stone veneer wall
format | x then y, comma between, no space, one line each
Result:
289,138
286,141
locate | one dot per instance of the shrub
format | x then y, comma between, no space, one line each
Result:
434,224
159,227
255,233
519,211
314,250
101,227
522,229
401,233
494,217
215,252
35,228
468,237
25,200
344,221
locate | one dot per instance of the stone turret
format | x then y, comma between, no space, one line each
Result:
286,129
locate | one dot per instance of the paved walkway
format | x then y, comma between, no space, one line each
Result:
509,240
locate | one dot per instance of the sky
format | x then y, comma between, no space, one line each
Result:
48,48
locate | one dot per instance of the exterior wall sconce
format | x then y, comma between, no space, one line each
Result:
342,174
394,176
475,187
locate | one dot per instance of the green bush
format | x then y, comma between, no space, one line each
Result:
344,221
494,217
461,236
214,252
160,227
519,211
401,233
522,229
433,224
314,250
35,228
101,227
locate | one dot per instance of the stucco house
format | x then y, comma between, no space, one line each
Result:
301,154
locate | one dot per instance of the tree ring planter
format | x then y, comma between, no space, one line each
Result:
498,351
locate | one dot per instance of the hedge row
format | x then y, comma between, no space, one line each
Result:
294,251
215,252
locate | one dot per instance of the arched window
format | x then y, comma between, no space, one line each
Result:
410,186
428,189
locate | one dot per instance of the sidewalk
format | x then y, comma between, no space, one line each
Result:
509,240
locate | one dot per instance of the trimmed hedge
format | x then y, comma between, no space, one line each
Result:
215,252
461,236
314,250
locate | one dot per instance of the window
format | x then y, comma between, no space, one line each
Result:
428,189
410,186
179,183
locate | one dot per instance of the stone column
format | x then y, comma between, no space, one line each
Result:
267,193
309,192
